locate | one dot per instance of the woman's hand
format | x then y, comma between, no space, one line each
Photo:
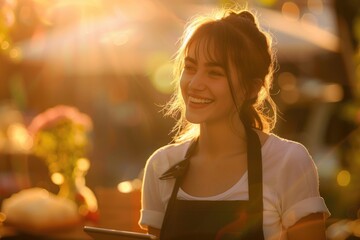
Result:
311,227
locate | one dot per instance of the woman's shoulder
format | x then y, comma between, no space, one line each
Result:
166,156
286,161
282,150
283,145
172,150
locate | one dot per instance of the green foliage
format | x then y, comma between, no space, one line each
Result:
61,145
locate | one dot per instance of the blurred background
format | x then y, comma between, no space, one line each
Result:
110,59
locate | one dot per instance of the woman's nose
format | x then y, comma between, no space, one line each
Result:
197,81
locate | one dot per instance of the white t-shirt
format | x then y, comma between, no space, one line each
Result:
290,186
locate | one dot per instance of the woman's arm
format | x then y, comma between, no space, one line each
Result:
311,227
154,231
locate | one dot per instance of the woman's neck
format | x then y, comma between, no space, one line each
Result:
219,140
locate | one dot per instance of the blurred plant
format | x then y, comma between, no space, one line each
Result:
61,137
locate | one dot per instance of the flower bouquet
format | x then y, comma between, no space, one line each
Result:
61,138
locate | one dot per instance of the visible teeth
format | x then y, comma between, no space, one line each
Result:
199,100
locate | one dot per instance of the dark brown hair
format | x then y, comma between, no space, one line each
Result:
241,44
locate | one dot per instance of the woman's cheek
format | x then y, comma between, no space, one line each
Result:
183,86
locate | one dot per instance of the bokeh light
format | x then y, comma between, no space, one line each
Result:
287,81
290,10
136,184
19,137
129,186
125,187
113,59
57,178
5,45
91,202
83,164
162,79
343,178
315,6
289,92
7,15
312,88
332,93
15,54
309,18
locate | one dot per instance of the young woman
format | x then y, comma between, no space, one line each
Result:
226,176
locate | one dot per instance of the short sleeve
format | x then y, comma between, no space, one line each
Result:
152,207
299,186
156,193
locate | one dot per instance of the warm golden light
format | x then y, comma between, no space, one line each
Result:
116,38
57,178
339,230
90,198
136,184
356,228
19,137
83,164
332,93
2,217
267,3
315,6
125,187
287,81
83,210
343,178
288,84
309,18
15,54
162,78
290,10
5,45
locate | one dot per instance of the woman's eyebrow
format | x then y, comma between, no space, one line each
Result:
208,64
214,64
190,59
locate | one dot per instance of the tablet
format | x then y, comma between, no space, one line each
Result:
98,233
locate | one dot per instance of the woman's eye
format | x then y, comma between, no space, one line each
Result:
189,68
216,73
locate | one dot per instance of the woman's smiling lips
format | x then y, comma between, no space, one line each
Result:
198,102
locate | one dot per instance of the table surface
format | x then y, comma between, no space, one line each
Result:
116,211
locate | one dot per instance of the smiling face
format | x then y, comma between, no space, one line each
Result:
222,59
204,86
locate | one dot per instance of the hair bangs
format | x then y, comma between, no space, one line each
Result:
209,40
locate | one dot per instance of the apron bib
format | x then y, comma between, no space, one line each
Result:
216,220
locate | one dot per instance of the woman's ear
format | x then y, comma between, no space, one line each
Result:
257,85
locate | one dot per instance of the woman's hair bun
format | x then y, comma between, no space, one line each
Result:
244,15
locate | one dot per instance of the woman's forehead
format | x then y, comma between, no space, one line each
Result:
203,48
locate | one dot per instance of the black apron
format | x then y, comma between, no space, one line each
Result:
216,220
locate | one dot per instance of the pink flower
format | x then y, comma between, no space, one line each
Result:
52,116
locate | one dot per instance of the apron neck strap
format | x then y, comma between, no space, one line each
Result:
254,158
254,162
